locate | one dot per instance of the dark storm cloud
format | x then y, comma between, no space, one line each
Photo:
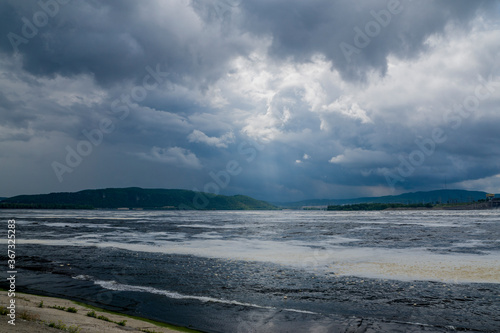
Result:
300,29
232,72
116,40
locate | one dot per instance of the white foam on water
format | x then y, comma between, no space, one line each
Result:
367,228
115,286
401,264
420,264
81,225
411,222
61,224
164,234
209,235
471,243
211,226
83,277
88,236
337,240
335,254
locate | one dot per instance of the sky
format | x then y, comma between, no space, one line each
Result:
280,100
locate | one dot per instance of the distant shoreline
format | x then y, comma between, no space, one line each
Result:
428,206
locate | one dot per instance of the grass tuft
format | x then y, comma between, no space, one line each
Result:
73,329
103,318
26,315
91,314
59,325
58,307
3,311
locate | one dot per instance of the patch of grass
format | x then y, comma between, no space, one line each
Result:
40,305
26,315
72,310
59,325
58,307
3,311
91,314
73,329
103,318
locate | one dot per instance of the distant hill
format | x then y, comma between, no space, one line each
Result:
135,197
437,196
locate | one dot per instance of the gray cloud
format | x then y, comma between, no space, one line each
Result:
229,73
173,155
115,41
221,142
300,30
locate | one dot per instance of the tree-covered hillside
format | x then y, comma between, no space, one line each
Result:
433,197
135,197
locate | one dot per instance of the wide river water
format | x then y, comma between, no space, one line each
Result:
270,271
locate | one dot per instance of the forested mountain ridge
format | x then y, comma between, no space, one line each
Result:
135,197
